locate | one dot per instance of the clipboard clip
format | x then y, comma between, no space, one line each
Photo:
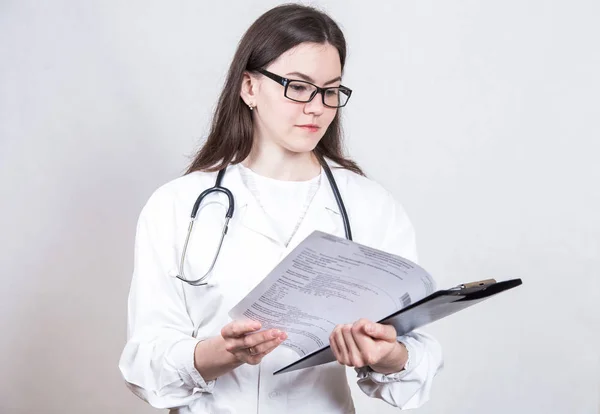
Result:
478,284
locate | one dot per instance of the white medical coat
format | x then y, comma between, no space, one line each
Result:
167,317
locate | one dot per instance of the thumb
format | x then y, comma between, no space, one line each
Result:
380,331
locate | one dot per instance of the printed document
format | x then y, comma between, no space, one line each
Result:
326,281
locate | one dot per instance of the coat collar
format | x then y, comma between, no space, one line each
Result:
322,214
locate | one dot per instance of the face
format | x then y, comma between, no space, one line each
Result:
282,122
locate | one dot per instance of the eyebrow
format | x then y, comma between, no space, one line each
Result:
308,78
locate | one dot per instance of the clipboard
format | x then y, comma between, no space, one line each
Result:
436,306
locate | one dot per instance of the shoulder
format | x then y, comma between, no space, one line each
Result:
179,191
364,190
379,219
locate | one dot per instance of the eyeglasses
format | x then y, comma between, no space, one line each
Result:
303,91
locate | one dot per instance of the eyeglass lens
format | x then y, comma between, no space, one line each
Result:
302,92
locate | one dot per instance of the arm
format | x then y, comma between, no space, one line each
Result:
162,362
218,355
411,386
157,362
382,361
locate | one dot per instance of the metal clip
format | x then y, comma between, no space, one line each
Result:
480,283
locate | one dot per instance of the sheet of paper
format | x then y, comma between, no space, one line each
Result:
326,281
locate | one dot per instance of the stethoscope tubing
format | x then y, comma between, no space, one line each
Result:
218,188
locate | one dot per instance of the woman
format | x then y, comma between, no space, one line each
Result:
276,130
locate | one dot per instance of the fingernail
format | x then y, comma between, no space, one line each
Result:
275,333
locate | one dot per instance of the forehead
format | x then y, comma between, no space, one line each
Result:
319,61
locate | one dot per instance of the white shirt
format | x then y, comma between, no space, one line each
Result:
167,317
284,202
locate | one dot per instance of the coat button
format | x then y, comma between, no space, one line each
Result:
275,394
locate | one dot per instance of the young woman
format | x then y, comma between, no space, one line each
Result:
275,138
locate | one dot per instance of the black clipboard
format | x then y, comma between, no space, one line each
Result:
436,306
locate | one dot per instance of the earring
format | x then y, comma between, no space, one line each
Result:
250,106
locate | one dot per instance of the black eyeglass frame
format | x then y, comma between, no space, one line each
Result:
285,83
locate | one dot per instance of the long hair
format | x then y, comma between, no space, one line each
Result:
275,32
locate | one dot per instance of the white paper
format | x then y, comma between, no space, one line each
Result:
326,281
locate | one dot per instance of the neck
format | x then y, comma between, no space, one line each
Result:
281,164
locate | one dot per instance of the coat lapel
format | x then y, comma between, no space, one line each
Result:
322,214
248,212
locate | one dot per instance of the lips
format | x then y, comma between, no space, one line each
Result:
309,127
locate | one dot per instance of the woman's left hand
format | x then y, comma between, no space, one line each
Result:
368,343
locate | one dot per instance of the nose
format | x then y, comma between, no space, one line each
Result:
315,106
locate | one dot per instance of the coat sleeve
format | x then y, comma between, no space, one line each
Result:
157,362
411,387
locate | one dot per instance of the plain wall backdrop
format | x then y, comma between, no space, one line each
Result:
480,117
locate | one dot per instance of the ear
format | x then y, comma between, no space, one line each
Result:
249,89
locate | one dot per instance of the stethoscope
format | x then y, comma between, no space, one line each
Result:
218,188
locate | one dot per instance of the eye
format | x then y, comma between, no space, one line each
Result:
332,92
297,87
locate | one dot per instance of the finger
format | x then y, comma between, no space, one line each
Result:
341,343
364,342
254,359
253,339
266,347
381,331
334,345
354,354
254,355
362,339
238,328
369,350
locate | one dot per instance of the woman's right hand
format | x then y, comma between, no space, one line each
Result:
249,347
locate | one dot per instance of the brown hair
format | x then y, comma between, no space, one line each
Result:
272,34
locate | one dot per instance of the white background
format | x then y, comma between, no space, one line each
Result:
481,117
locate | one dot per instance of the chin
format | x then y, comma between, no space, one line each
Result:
300,147
302,143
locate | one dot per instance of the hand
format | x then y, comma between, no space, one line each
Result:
247,347
367,343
